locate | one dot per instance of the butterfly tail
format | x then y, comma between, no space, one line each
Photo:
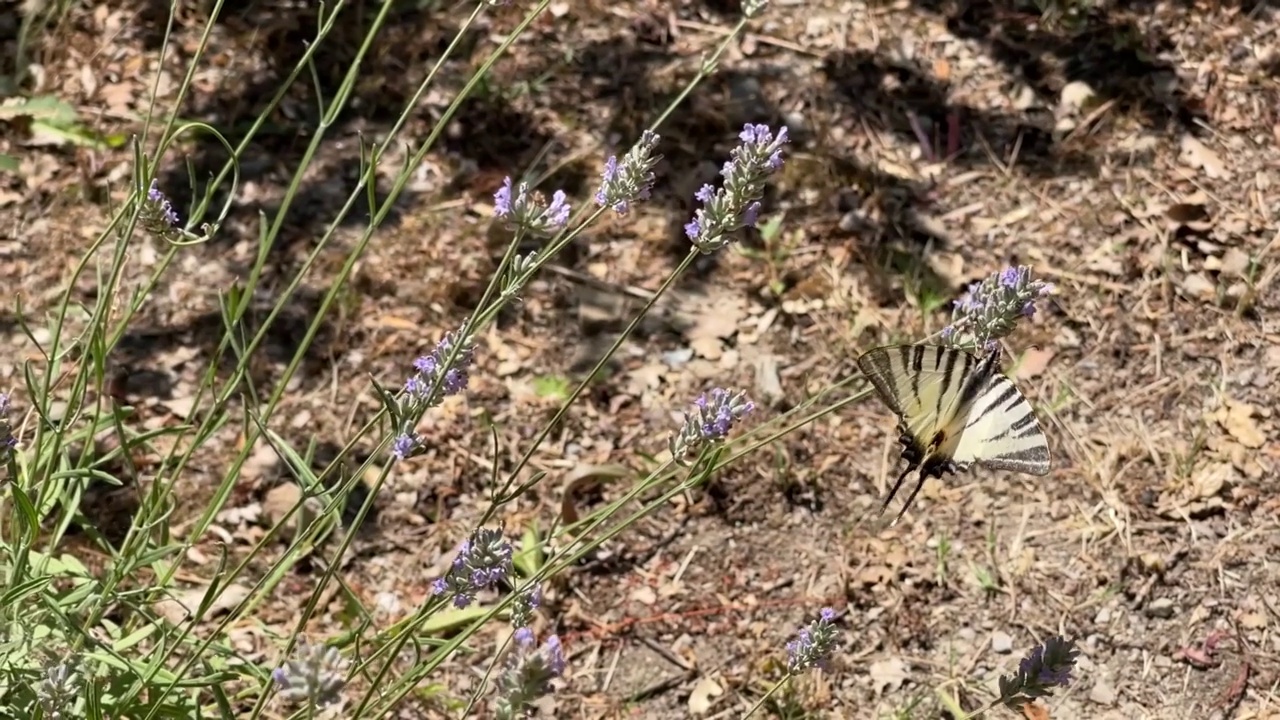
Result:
888,498
910,498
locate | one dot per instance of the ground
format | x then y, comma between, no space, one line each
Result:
1125,152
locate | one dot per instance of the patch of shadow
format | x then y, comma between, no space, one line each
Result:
143,347
1106,48
889,222
277,38
912,105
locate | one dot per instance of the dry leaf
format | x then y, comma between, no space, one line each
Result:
582,479
701,699
1198,286
1075,95
1253,621
1237,419
1034,361
1198,155
1035,711
181,604
888,674
644,595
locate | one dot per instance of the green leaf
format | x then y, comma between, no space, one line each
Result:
529,560
453,618
552,386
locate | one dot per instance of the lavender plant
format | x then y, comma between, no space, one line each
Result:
483,561
1045,668
715,413
527,675
314,677
8,443
737,203
811,648
989,310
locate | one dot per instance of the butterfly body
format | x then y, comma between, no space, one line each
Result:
954,410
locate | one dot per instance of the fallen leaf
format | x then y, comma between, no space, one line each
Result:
1236,262
1253,621
644,595
1237,419
701,699
1198,155
1034,361
888,674
582,479
1198,286
1035,711
1075,95
182,604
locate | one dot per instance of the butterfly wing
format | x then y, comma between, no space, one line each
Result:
922,384
1001,431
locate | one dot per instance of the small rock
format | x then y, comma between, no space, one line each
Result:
1103,693
1161,608
1001,642
1103,617
1198,286
1075,95
280,500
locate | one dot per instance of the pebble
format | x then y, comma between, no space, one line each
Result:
1161,608
1001,642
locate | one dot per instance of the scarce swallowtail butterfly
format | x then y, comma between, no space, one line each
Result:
954,410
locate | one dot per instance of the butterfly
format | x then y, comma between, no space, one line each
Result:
954,410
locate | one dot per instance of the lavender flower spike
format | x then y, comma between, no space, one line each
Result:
736,204
316,676
522,608
715,413
1046,667
483,561
528,210
990,309
7,441
625,182
163,208
436,375
813,646
527,676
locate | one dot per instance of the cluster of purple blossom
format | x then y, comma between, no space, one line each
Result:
990,309
8,443
158,215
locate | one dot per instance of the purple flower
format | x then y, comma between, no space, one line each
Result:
813,645
528,210
483,561
502,199
715,413
735,205
1046,667
623,183
527,675
7,441
405,445
989,310
315,676
437,376
524,604
159,216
